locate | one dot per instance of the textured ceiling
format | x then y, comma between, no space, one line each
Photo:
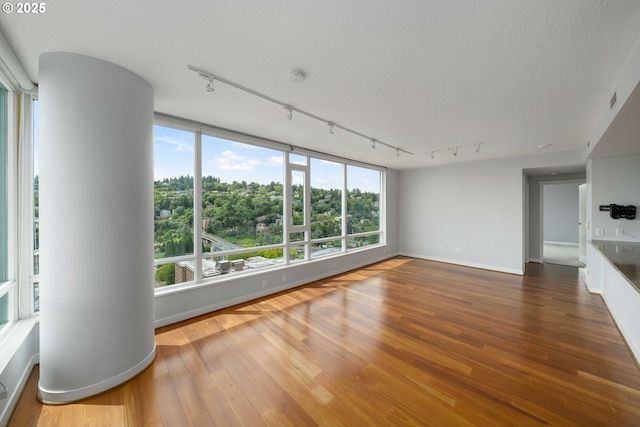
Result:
421,75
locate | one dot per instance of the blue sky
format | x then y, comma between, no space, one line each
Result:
232,161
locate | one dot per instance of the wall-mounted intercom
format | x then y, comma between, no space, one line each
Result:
618,211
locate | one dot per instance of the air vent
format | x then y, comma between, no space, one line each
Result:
613,100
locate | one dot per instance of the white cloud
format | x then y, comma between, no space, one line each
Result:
178,144
230,161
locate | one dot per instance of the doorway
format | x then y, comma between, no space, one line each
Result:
563,213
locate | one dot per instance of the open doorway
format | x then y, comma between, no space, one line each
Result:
562,222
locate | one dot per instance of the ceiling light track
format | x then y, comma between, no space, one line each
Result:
291,109
453,150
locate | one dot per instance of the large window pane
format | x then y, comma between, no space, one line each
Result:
4,201
242,195
36,195
363,205
326,199
173,192
4,310
173,273
297,197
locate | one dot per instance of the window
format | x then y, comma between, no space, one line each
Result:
253,205
4,310
242,206
327,180
363,206
6,286
4,186
35,270
173,202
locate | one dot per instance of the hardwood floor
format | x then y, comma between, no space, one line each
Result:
404,342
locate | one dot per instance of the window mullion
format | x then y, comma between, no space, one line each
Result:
197,207
344,207
286,209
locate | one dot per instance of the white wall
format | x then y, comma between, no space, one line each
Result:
476,206
615,180
560,207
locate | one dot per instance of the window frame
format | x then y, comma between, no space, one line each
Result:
9,285
289,166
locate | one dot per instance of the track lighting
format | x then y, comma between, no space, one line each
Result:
454,151
433,156
296,76
289,111
209,86
477,146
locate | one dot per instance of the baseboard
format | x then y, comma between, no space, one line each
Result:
550,242
57,397
499,269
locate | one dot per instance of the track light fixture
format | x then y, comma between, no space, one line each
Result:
454,150
433,155
289,111
477,147
209,86
373,143
296,76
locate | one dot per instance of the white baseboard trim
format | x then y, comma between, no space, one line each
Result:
519,272
588,285
68,396
550,242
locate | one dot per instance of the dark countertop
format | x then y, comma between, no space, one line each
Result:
624,256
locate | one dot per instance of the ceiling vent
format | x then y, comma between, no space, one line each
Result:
613,100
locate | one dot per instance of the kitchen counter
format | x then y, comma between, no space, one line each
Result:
624,256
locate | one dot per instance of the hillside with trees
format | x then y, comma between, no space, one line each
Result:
250,214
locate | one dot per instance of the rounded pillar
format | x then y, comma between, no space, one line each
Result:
96,228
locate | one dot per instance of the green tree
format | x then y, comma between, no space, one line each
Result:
166,274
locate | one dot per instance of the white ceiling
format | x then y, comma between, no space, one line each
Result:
420,75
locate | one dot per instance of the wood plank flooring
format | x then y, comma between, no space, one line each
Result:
404,342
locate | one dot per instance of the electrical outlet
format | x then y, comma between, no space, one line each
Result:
599,231
264,283
284,278
619,232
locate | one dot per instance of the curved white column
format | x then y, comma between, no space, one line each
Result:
96,238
